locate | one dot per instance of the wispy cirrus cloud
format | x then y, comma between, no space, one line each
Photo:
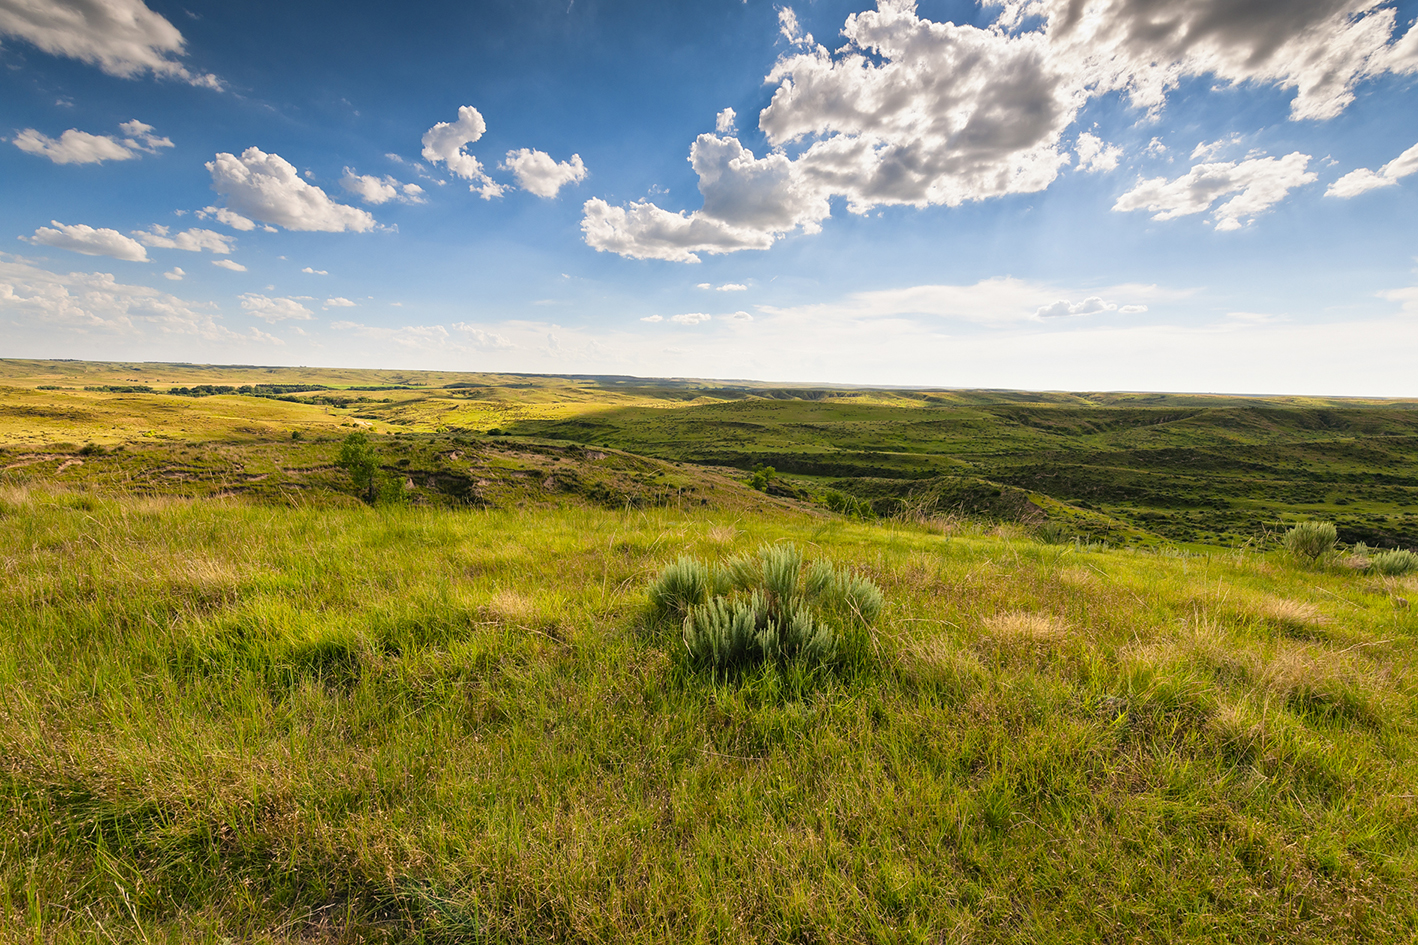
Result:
1001,301
275,309
97,303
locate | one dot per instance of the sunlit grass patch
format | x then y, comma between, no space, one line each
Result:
223,720
1025,628
1311,679
1285,611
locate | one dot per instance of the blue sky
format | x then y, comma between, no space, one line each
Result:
1196,195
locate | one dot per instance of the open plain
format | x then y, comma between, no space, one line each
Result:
243,700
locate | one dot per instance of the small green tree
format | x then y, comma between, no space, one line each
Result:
357,458
762,476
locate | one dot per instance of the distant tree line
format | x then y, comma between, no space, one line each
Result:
282,391
250,390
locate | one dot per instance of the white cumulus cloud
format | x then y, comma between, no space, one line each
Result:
690,318
1092,305
377,190
316,272
339,302
175,274
724,122
80,238
1362,180
231,264
275,309
1095,154
789,28
266,187
481,337
1319,48
73,147
192,240
122,37
909,111
749,203
222,215
539,174
445,144
96,302
645,231
80,147
1258,184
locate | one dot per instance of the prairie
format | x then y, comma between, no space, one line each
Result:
256,709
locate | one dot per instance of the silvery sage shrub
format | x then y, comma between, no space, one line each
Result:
766,607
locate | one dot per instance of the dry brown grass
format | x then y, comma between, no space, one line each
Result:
1079,578
1284,610
509,606
936,660
1302,676
1017,626
722,535
1201,641
1349,683
14,496
1237,726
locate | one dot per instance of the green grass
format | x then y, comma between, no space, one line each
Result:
1119,467
231,721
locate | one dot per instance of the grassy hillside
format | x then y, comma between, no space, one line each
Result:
1130,468
1218,473
222,721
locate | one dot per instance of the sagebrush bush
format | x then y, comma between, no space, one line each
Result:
1311,539
680,586
1394,563
766,607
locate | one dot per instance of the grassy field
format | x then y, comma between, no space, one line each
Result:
224,721
1148,469
239,704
